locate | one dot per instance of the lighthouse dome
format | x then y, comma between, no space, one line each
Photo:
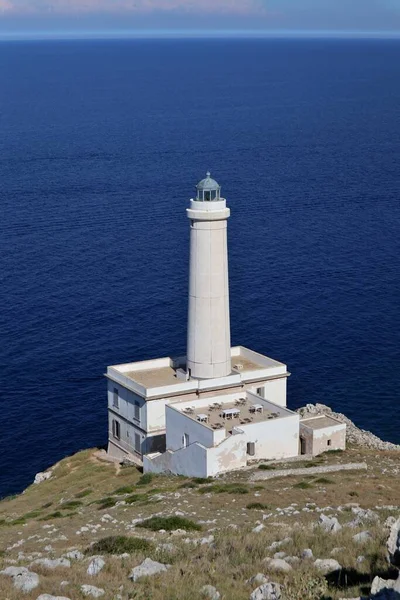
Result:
208,189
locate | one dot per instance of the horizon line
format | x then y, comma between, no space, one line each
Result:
197,33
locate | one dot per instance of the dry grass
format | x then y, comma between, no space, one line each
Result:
80,485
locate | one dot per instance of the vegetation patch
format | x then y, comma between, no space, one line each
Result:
145,479
19,521
200,480
136,498
169,524
258,506
126,489
119,545
34,514
188,484
106,503
303,485
83,493
227,488
72,504
47,505
266,467
324,480
54,515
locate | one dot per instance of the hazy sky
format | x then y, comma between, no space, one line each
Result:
121,16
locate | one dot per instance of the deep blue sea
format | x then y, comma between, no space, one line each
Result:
101,145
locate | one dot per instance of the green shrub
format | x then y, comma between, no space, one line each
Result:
227,488
324,480
136,498
106,503
72,504
353,494
303,485
119,545
145,479
266,467
19,521
169,524
83,493
34,514
258,506
54,515
127,489
200,480
188,484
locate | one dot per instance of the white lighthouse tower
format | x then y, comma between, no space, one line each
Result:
208,335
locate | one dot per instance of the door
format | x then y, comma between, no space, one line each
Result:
302,446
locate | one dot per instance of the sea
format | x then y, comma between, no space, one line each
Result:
101,146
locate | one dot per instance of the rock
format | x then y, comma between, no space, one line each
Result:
207,540
258,579
292,560
330,524
166,548
96,565
23,579
393,544
280,554
50,597
337,550
209,591
277,564
362,537
327,565
146,568
360,559
307,553
74,555
385,589
267,591
258,528
49,563
91,590
40,477
280,543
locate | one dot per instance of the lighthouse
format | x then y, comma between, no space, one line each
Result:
208,332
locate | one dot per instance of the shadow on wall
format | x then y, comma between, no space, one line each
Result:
347,578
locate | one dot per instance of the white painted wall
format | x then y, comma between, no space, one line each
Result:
179,424
126,404
274,390
208,336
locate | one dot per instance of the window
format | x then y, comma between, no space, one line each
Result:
185,440
137,443
115,398
329,443
136,414
116,429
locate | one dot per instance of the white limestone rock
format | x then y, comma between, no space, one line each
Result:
258,528
267,591
393,544
363,537
327,565
23,579
210,592
40,477
74,555
307,553
329,524
50,597
148,567
258,579
91,590
277,564
49,563
280,543
385,589
96,565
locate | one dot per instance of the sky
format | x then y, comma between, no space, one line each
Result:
82,18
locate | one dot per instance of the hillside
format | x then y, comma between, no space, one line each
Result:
222,532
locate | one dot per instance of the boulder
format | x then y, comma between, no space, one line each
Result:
362,537
49,563
210,592
280,543
307,553
40,477
146,568
277,564
23,579
96,565
267,591
330,524
258,579
91,590
258,528
385,589
393,544
74,555
327,565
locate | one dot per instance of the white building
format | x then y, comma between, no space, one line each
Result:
219,407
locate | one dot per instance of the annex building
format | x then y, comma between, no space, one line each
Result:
218,407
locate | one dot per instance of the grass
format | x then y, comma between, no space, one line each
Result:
55,515
188,484
83,493
71,504
169,524
146,479
125,489
136,498
303,485
227,488
258,506
266,467
119,545
200,480
324,480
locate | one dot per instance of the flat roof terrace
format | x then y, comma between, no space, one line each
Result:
320,422
224,416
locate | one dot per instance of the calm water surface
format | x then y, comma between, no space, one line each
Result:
101,144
